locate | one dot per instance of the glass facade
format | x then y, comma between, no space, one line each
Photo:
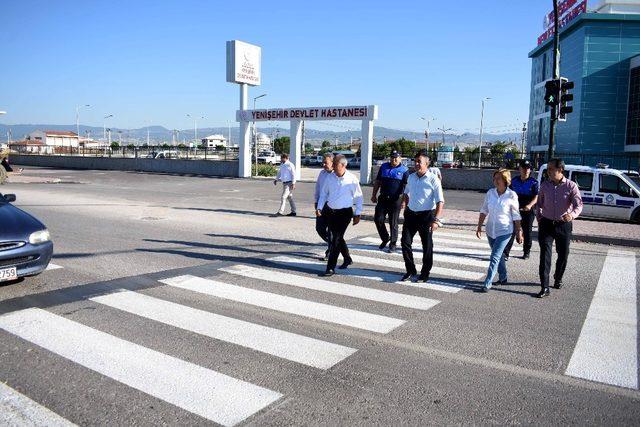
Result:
633,117
595,54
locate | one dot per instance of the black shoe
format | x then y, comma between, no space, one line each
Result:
423,278
506,257
326,255
557,284
291,214
383,244
407,276
278,214
525,256
501,282
544,293
392,249
346,264
328,273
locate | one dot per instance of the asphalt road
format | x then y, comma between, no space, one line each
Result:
140,325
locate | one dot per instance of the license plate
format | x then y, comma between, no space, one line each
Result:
10,273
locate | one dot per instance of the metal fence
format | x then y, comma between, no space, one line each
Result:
132,152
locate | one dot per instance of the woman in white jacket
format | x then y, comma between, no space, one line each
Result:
501,209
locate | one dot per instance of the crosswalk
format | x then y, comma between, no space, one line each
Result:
271,285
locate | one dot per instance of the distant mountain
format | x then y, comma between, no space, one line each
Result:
160,134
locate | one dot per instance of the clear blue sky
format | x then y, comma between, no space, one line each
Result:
155,61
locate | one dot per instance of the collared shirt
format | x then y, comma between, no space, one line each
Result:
424,192
340,192
525,189
436,171
556,200
501,210
287,172
392,179
322,177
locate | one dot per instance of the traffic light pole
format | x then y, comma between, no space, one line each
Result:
556,76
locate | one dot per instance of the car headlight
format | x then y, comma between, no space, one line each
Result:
38,237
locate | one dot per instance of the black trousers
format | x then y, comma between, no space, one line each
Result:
418,222
338,221
560,233
322,227
388,207
527,227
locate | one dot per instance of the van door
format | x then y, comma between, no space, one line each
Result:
618,198
586,186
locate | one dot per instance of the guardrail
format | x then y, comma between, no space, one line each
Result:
131,152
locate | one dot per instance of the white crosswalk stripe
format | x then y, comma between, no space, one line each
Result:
53,267
451,259
322,285
286,345
607,350
17,409
453,241
212,395
314,310
484,253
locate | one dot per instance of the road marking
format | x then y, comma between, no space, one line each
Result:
607,350
53,267
17,409
300,307
378,275
375,241
452,259
294,347
393,298
212,395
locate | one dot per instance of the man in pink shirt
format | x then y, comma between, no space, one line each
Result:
559,203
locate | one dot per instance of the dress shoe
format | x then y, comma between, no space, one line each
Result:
291,214
544,293
278,214
383,244
526,256
486,288
423,278
392,249
346,264
328,273
506,257
557,284
407,276
502,282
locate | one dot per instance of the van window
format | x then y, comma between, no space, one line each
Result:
545,175
583,179
613,184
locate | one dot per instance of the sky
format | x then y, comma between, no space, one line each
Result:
154,62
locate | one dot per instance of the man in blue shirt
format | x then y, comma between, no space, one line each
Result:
527,188
391,180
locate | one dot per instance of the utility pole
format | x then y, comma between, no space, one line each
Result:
524,135
556,76
481,123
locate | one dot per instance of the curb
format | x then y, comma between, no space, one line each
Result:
583,238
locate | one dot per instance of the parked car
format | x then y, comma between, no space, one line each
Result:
606,193
25,243
268,157
165,154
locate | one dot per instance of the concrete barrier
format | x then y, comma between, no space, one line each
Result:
187,167
463,179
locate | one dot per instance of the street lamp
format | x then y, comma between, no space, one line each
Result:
255,133
426,134
195,129
78,118
104,125
481,123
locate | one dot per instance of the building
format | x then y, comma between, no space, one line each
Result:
600,53
59,140
213,141
31,147
263,141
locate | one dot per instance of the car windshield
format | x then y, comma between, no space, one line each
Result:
635,179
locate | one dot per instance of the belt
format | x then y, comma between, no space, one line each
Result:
287,182
553,221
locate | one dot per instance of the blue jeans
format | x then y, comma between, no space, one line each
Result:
497,259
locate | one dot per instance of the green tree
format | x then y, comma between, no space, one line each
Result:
326,144
131,146
308,148
115,145
281,145
182,146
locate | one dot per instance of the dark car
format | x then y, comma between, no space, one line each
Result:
25,243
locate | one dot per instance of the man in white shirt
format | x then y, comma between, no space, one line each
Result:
287,175
424,201
322,226
339,193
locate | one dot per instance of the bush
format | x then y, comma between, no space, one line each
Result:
264,170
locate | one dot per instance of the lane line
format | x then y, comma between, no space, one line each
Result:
375,241
300,307
290,346
53,267
607,349
16,409
212,395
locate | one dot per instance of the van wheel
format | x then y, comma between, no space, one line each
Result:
635,216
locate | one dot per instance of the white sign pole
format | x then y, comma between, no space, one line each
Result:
366,152
244,154
296,144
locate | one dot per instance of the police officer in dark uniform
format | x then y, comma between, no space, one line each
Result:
527,188
391,180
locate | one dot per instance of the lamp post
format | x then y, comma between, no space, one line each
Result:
104,125
78,117
481,123
8,138
426,134
195,129
255,134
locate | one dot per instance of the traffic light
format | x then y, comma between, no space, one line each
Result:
565,97
552,92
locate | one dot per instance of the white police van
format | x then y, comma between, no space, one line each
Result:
606,193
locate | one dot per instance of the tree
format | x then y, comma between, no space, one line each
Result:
131,146
308,148
115,145
326,144
281,145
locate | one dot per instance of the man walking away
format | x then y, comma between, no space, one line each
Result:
287,175
391,180
424,201
527,188
322,227
559,203
340,192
